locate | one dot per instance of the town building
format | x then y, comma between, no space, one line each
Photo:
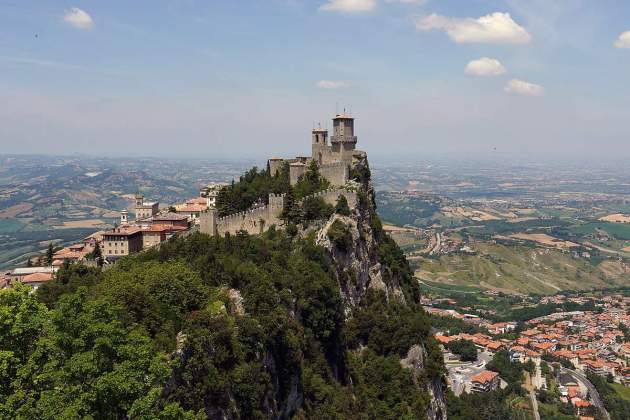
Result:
121,241
145,209
211,192
33,276
192,208
171,219
155,234
485,381
73,253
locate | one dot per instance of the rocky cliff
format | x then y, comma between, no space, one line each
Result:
364,259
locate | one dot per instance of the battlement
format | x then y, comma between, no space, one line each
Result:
257,220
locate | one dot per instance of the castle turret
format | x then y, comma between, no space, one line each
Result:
343,141
320,148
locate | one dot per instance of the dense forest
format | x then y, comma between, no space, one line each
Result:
219,327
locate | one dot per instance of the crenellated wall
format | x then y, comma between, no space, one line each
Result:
331,196
257,220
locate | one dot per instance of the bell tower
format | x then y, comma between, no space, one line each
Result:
124,217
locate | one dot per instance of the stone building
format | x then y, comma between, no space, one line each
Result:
121,241
333,157
145,209
485,381
211,191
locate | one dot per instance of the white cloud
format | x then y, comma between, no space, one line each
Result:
623,41
485,67
348,6
521,87
495,28
78,18
332,84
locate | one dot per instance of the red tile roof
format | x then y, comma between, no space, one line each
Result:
484,377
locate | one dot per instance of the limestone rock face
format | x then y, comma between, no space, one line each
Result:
415,362
357,266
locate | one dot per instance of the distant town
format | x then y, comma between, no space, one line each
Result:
579,343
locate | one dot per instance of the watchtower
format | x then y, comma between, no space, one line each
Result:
208,221
320,148
139,200
343,141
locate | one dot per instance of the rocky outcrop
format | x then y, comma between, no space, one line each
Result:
357,263
353,245
435,387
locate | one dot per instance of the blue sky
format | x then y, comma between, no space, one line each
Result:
250,77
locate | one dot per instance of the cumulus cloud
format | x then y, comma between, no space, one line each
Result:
348,6
485,67
78,18
495,28
520,87
623,41
332,84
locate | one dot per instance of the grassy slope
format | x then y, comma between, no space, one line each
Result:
522,269
622,391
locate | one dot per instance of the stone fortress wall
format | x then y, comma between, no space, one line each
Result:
259,219
333,156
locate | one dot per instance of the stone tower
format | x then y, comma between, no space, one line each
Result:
208,221
343,141
139,200
320,148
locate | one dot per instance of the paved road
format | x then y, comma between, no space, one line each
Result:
592,391
444,289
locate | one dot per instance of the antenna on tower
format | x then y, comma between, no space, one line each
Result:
336,108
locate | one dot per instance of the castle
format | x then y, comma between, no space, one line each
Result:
334,159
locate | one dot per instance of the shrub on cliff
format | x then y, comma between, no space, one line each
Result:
342,206
311,182
339,234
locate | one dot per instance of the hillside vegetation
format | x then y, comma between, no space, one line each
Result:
234,327
522,269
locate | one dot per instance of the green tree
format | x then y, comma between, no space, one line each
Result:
465,349
342,206
22,319
291,212
50,252
311,182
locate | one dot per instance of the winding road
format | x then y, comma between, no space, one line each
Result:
592,391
